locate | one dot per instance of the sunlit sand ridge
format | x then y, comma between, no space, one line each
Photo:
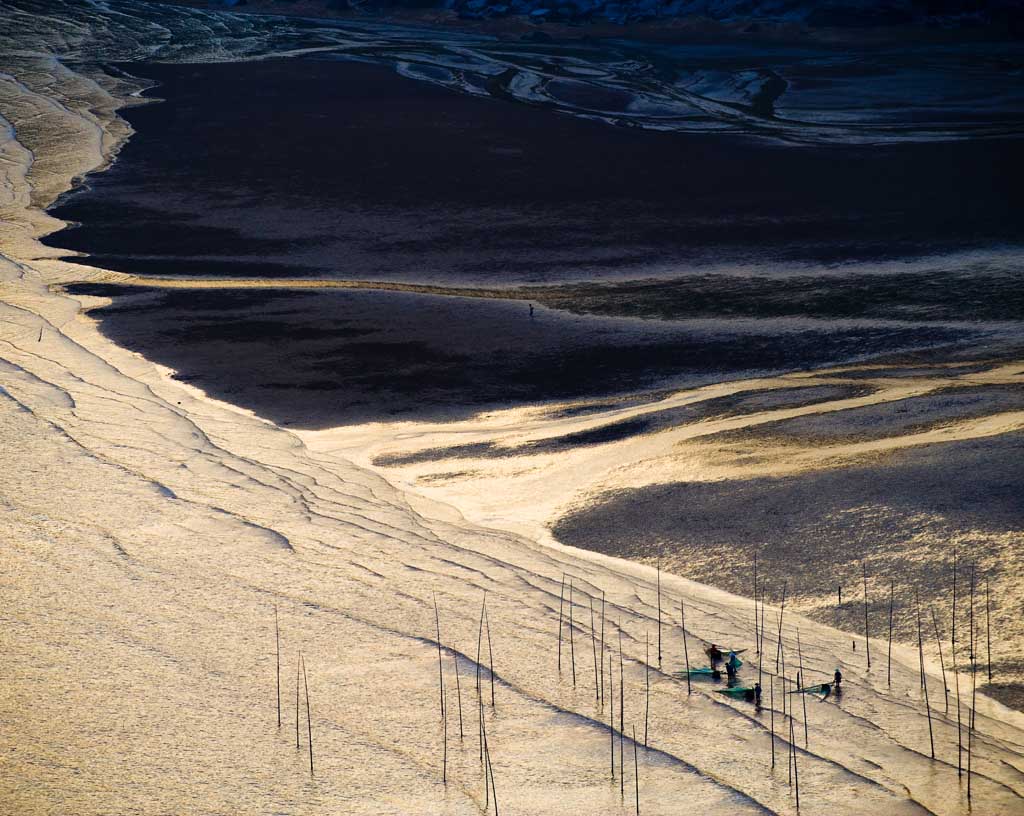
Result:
150,532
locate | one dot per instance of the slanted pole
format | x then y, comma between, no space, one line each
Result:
988,628
572,640
867,636
892,593
602,646
686,651
458,691
771,684
561,599
647,682
309,720
490,656
942,663
924,676
659,613
593,646
803,679
974,706
611,713
796,768
622,718
440,667
757,643
298,670
636,773
276,637
782,611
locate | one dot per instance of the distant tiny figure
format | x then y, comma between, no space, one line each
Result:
531,311
714,654
757,694
837,680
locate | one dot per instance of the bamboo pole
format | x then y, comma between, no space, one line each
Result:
636,773
298,668
277,639
892,593
686,651
479,643
756,641
494,791
974,693
593,645
440,667
778,651
924,678
647,682
942,663
479,694
760,645
561,599
622,718
789,747
659,613
801,680
490,654
867,637
458,692
602,647
309,721
771,684
611,713
572,640
956,680
796,768
988,628
484,753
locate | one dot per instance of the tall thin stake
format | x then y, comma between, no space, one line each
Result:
483,753
974,705
892,593
956,680
647,681
686,651
659,613
867,636
490,654
796,768
974,694
803,679
771,685
622,718
988,628
756,640
611,713
593,645
636,773
782,611
561,599
309,720
572,640
277,638
479,643
440,667
458,692
942,663
298,669
920,646
602,646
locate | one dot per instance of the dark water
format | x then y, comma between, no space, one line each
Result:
324,169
